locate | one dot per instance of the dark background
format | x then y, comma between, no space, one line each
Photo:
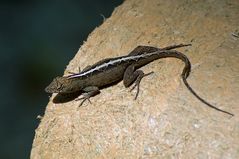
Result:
38,38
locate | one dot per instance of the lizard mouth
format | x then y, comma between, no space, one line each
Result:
48,90
55,86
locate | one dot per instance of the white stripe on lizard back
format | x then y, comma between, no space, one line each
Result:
136,57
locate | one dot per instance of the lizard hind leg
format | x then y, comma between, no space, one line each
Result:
138,80
175,46
131,76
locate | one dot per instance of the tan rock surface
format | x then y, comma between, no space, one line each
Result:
166,121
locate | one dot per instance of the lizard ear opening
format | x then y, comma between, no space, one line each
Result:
58,83
59,86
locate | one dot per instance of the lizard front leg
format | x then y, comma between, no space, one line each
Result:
133,76
90,91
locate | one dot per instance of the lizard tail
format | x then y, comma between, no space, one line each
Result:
184,75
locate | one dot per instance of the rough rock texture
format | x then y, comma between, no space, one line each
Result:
166,121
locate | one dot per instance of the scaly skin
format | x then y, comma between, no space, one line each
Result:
111,70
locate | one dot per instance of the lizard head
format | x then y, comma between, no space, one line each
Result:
59,84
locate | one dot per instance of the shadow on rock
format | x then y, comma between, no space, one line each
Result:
66,97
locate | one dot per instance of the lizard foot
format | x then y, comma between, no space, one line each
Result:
137,82
90,92
85,97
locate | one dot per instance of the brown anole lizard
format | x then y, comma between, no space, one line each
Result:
125,68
